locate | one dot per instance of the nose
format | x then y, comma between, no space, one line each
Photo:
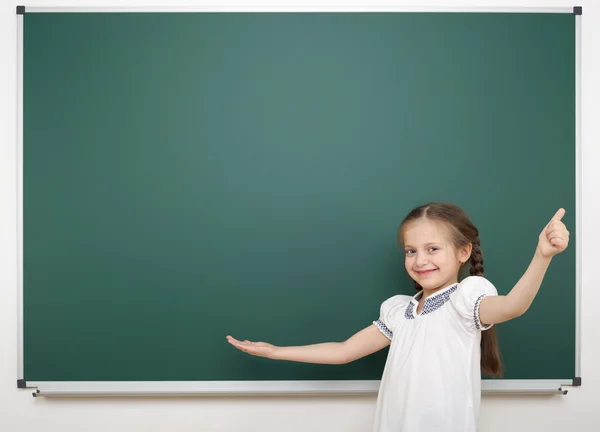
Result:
421,260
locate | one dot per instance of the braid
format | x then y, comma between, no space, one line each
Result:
476,258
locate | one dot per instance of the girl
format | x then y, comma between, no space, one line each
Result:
442,337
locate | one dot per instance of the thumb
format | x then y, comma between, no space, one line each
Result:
559,214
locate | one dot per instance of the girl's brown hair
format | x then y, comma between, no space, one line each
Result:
464,232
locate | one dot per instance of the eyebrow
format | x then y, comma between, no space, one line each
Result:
426,244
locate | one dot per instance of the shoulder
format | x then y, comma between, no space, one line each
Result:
398,300
470,291
390,310
474,285
392,305
467,298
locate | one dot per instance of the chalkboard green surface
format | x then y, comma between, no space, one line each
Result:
192,175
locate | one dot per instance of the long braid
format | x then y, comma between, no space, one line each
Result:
476,258
490,354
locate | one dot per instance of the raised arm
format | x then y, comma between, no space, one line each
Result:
361,344
553,239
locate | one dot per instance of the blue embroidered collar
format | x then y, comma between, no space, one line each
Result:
432,303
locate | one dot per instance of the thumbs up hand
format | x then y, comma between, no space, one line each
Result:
554,238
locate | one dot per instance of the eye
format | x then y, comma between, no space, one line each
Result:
410,251
433,249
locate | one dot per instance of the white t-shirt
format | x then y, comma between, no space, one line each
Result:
432,381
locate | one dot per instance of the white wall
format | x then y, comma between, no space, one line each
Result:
20,412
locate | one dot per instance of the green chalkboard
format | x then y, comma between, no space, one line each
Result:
192,175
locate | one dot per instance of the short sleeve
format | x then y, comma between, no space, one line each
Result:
467,298
388,312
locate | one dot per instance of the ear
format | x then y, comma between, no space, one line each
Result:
464,253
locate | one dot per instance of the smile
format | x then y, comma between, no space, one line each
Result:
425,272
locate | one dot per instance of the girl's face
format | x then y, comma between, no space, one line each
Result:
431,258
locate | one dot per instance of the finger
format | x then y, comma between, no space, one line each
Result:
249,350
558,242
558,237
556,224
237,344
557,232
239,347
559,214
554,227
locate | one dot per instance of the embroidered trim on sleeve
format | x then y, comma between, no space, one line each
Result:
476,319
383,329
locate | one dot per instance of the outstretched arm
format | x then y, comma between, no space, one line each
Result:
361,344
553,239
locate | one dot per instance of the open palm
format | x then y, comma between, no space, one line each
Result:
260,349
